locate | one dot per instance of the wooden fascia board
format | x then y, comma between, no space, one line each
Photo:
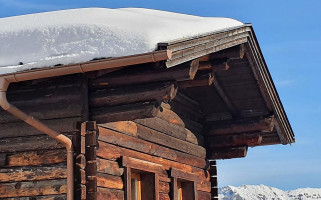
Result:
263,75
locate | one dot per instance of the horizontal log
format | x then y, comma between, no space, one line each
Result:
109,181
170,116
109,151
109,167
33,173
204,195
28,143
47,111
164,187
213,66
127,127
164,127
157,137
220,141
145,147
241,126
18,129
227,153
125,113
47,197
3,159
199,81
47,187
106,193
41,157
204,186
133,94
34,97
195,127
169,129
186,72
143,165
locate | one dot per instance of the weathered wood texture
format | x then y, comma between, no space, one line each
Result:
184,72
46,187
137,144
227,153
133,94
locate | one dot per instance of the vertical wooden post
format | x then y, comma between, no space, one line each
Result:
86,163
213,179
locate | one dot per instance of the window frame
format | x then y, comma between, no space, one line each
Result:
182,176
137,166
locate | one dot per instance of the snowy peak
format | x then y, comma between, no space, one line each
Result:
262,192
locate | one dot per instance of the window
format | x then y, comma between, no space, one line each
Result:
183,185
136,188
141,179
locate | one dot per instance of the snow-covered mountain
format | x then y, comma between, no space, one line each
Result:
262,192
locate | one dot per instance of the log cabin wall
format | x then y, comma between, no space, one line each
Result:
145,123
33,165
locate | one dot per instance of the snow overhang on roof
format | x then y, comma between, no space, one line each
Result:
80,35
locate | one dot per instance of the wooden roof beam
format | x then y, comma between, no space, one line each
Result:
203,80
224,97
223,141
227,153
242,126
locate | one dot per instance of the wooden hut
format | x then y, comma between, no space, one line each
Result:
142,127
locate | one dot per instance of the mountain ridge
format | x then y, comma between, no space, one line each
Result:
263,192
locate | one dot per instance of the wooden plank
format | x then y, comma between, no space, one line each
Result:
109,151
47,197
157,137
143,165
199,81
227,153
28,143
164,127
184,72
41,157
109,181
127,127
48,111
236,52
221,141
194,114
47,187
214,66
133,94
143,146
18,129
181,174
106,193
109,167
125,112
33,97
33,173
242,126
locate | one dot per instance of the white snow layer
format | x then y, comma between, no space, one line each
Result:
262,192
79,35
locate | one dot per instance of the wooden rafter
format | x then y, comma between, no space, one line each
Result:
233,127
227,153
222,141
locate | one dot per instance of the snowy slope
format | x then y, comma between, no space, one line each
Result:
262,192
78,35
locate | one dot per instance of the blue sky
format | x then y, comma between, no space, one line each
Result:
289,33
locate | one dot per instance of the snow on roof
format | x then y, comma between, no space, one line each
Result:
79,35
